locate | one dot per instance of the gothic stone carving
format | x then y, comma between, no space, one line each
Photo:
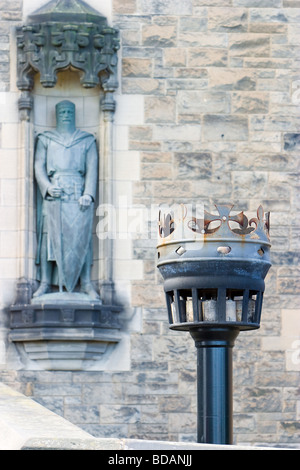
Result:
52,46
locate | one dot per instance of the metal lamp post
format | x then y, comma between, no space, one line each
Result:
213,268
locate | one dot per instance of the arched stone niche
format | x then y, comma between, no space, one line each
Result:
66,50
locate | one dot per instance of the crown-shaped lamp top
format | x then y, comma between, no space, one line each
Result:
222,225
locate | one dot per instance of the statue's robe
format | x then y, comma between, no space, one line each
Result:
70,163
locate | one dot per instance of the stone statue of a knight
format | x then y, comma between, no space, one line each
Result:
66,170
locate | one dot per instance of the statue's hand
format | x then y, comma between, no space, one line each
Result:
54,191
85,201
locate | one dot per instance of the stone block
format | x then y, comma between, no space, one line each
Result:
82,414
225,128
266,399
11,15
249,45
186,84
156,157
152,389
249,184
142,52
140,133
192,166
170,347
285,51
291,4
159,35
150,414
114,414
200,102
212,3
101,393
294,33
183,422
295,240
191,73
228,19
141,366
193,23
250,102
269,15
288,286
145,86
165,7
291,142
132,67
196,39
270,28
258,3
265,63
282,123
175,57
174,404
232,79
124,6
278,162
141,348
160,71
130,37
177,132
60,389
160,109
15,5
156,171
277,97
201,57
142,295
151,328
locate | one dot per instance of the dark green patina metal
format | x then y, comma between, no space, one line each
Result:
64,34
67,10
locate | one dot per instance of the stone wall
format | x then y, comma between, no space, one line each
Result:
208,110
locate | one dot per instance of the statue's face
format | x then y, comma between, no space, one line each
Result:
66,115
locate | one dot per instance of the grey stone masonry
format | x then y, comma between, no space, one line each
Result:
207,111
10,15
26,425
221,123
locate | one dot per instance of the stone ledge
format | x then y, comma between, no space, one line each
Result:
27,425
23,421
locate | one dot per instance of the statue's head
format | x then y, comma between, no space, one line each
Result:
65,113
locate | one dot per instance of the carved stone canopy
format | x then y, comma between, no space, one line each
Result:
67,10
64,34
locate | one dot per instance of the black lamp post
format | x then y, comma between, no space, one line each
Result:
213,269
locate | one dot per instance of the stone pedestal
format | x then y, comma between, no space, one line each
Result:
64,332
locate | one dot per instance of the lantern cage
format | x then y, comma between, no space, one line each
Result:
214,270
